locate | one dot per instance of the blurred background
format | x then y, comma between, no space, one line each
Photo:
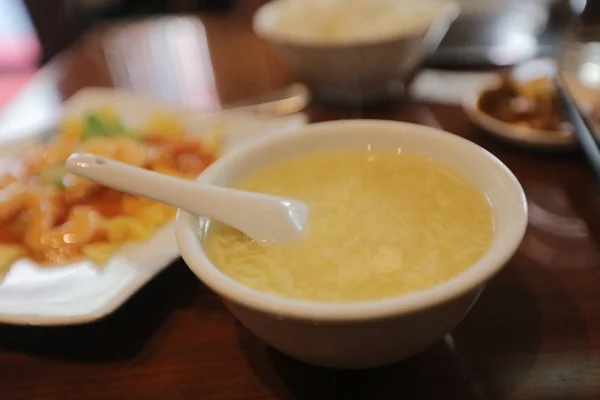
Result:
208,62
488,32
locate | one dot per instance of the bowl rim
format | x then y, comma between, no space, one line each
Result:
187,227
449,11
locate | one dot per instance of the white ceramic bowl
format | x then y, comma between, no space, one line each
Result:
358,70
374,333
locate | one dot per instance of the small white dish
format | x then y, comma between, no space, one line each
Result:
373,333
523,136
82,292
519,135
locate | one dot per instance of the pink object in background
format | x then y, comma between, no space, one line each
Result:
19,52
11,83
18,63
20,49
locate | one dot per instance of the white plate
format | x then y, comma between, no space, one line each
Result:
523,136
82,292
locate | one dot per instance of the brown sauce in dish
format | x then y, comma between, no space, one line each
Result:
532,105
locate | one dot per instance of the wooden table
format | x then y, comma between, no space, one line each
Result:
534,334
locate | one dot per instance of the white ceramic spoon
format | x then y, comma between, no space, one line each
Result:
261,217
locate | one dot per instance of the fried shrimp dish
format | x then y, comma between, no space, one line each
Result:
54,217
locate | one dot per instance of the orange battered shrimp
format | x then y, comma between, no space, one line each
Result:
187,156
123,149
6,180
60,242
14,198
43,155
78,189
55,217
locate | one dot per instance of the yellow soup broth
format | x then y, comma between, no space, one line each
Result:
381,224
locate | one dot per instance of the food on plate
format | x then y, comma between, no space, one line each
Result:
382,224
54,217
357,20
531,104
8,255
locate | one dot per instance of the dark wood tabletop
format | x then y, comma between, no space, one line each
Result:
534,333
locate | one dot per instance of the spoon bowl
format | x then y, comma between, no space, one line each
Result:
261,217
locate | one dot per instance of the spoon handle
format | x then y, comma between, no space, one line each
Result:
260,216
188,195
129,179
